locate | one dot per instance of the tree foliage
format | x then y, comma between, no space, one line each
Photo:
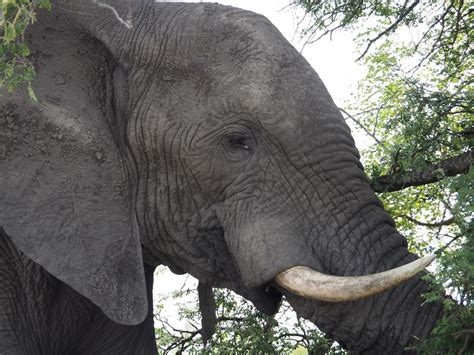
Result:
416,105
240,329
15,68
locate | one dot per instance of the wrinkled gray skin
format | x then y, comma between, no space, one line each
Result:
190,135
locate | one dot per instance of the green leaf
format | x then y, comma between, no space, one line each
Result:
31,93
45,4
9,32
23,50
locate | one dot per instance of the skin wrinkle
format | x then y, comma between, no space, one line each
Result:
158,56
132,173
238,191
159,53
143,140
398,247
166,193
179,42
347,201
132,37
414,292
174,158
179,158
374,334
25,278
347,227
403,319
146,86
303,192
304,209
176,29
170,30
288,195
382,316
189,248
196,181
103,24
9,274
136,59
328,245
142,185
369,248
166,163
367,257
156,164
133,122
197,209
426,329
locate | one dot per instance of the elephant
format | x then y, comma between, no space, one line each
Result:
191,135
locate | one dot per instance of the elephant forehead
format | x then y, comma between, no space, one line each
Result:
188,32
291,98
219,59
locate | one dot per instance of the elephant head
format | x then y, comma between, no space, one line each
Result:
196,136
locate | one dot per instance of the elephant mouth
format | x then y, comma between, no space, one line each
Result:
308,283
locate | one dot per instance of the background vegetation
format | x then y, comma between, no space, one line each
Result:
15,68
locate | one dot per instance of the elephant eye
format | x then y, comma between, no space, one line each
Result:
238,142
238,146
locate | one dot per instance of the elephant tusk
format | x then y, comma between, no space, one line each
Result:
308,283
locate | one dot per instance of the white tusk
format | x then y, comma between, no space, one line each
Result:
305,282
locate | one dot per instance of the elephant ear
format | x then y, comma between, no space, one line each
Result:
64,192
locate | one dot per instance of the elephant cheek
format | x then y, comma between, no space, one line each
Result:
264,248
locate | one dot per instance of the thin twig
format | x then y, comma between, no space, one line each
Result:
361,126
448,244
466,342
446,222
389,29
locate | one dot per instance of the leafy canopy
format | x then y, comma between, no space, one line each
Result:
15,68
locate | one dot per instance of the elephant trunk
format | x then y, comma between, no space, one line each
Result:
392,320
367,313
374,300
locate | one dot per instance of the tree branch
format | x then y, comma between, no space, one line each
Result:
450,167
445,222
390,28
185,337
356,121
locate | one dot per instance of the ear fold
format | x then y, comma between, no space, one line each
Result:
64,193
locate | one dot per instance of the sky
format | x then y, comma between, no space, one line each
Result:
333,60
